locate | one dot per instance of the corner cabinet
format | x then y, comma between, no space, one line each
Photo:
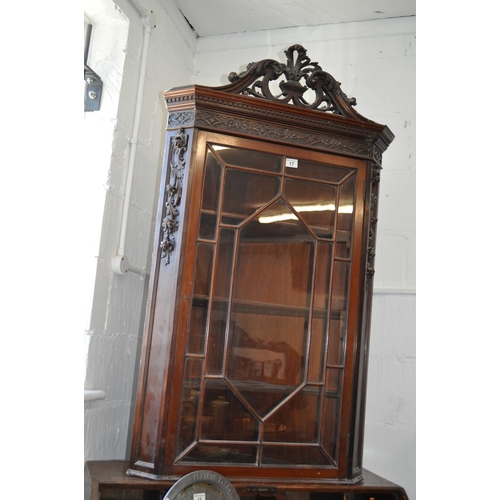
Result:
255,348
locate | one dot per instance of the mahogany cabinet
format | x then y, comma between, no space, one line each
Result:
255,349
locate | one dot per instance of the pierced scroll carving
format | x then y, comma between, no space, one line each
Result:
177,163
319,91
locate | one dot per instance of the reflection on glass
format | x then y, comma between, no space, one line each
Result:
315,202
246,192
250,159
297,420
345,218
269,323
211,184
319,171
224,416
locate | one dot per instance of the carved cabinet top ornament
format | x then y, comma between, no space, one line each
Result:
325,90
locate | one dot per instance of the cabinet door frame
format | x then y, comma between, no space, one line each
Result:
356,296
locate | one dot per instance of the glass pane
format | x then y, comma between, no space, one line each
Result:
250,159
337,337
345,218
246,192
275,260
224,415
338,323
319,171
338,319
230,454
315,204
340,285
320,312
203,270
330,424
271,299
190,400
212,182
265,370
333,381
218,321
202,281
297,420
207,226
197,325
293,455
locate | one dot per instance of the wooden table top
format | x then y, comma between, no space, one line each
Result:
112,474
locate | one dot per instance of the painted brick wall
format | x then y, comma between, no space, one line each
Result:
115,319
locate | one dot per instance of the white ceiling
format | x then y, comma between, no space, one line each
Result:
215,17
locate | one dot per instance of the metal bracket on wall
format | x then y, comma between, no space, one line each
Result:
93,90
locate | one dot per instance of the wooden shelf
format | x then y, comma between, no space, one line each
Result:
253,307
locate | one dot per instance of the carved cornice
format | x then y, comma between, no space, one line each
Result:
296,136
284,114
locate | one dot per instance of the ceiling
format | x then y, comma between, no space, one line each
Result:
216,17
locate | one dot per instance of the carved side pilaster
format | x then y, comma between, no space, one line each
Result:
180,118
170,223
370,266
377,155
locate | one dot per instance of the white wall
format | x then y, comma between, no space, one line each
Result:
375,61
113,331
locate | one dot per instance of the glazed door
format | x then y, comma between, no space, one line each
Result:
272,323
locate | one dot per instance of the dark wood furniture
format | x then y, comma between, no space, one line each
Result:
109,480
255,350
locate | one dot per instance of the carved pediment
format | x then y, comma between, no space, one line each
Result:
300,82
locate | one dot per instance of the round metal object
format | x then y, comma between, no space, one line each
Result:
202,485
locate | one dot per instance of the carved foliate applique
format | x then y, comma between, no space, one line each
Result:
173,190
370,269
301,82
376,174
